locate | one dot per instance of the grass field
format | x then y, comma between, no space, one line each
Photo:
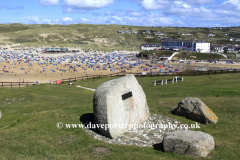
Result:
182,55
104,37
30,115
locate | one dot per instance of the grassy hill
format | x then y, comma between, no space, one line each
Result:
104,37
30,116
182,55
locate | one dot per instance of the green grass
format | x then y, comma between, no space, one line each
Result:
199,56
35,135
183,55
30,35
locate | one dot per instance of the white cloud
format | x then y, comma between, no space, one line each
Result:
231,5
226,21
226,13
48,2
67,19
32,20
152,19
153,5
69,10
136,14
179,9
234,2
196,2
46,21
88,4
35,20
128,20
55,21
131,12
154,15
181,4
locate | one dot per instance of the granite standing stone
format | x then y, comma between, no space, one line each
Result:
192,143
119,102
195,109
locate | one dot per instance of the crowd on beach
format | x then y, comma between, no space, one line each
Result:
39,68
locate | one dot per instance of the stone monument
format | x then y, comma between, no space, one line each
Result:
118,105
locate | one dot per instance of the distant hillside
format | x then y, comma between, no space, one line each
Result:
105,37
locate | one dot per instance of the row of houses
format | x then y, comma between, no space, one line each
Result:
164,34
175,44
190,45
228,48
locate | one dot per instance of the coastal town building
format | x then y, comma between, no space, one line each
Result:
190,45
149,47
55,50
148,37
211,35
217,48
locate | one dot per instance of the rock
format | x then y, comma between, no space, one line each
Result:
195,109
192,143
139,135
119,102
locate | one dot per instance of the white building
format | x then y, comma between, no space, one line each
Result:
219,49
203,47
190,45
149,47
211,35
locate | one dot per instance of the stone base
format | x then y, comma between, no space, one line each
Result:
147,137
192,143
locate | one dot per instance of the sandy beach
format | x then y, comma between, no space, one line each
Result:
44,73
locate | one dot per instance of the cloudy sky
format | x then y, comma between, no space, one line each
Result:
182,13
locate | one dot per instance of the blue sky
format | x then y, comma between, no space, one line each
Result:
182,13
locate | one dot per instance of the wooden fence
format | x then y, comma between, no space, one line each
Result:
16,84
185,73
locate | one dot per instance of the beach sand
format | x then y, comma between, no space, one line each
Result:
33,74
